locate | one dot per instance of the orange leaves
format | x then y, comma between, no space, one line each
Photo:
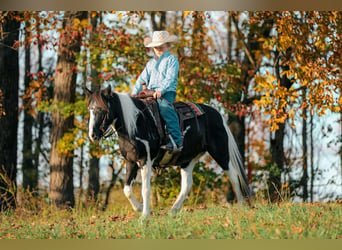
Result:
276,100
186,13
297,229
35,94
307,76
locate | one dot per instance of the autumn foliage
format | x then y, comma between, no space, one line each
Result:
266,70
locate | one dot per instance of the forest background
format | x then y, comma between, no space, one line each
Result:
276,74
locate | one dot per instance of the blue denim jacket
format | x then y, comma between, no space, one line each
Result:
159,74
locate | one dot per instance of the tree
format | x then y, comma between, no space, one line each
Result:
94,168
61,163
30,170
9,82
161,24
305,50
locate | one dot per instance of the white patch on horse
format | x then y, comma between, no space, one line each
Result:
129,194
130,113
186,177
91,123
146,173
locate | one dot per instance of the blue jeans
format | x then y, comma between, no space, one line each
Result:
169,114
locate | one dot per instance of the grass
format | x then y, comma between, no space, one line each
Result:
224,221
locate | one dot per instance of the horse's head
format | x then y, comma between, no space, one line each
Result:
100,118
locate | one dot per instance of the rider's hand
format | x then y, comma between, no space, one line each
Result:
157,94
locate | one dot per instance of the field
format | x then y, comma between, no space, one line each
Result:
213,221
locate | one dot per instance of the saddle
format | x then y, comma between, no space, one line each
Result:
185,111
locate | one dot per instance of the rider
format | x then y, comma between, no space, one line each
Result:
161,75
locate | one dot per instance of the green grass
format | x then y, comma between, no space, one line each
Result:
225,221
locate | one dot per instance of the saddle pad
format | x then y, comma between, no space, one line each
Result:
188,110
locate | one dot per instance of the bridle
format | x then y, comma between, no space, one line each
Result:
111,129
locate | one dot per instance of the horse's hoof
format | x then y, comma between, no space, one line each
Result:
144,217
138,209
173,211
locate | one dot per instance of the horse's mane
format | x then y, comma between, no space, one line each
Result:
130,113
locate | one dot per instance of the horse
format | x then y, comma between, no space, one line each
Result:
140,144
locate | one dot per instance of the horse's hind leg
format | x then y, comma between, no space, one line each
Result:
132,169
186,183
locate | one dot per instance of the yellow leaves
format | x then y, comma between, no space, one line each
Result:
340,101
76,23
336,109
122,87
84,23
73,139
186,13
281,104
127,49
265,83
65,146
80,24
320,45
276,100
285,42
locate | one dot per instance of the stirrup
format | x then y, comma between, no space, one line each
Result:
171,147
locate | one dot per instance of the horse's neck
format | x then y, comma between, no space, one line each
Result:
117,113
126,112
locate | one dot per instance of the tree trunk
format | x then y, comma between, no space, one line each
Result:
161,24
61,166
94,169
115,176
30,172
312,159
277,143
94,175
278,159
304,179
9,71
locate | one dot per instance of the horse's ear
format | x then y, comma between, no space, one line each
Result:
88,92
107,92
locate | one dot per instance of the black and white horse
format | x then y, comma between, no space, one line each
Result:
139,143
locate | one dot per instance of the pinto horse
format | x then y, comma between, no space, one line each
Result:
140,144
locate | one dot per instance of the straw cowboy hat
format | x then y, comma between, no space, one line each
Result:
159,38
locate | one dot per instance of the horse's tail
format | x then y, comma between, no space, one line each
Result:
236,169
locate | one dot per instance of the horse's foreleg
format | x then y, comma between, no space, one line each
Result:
146,172
130,196
132,169
186,178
